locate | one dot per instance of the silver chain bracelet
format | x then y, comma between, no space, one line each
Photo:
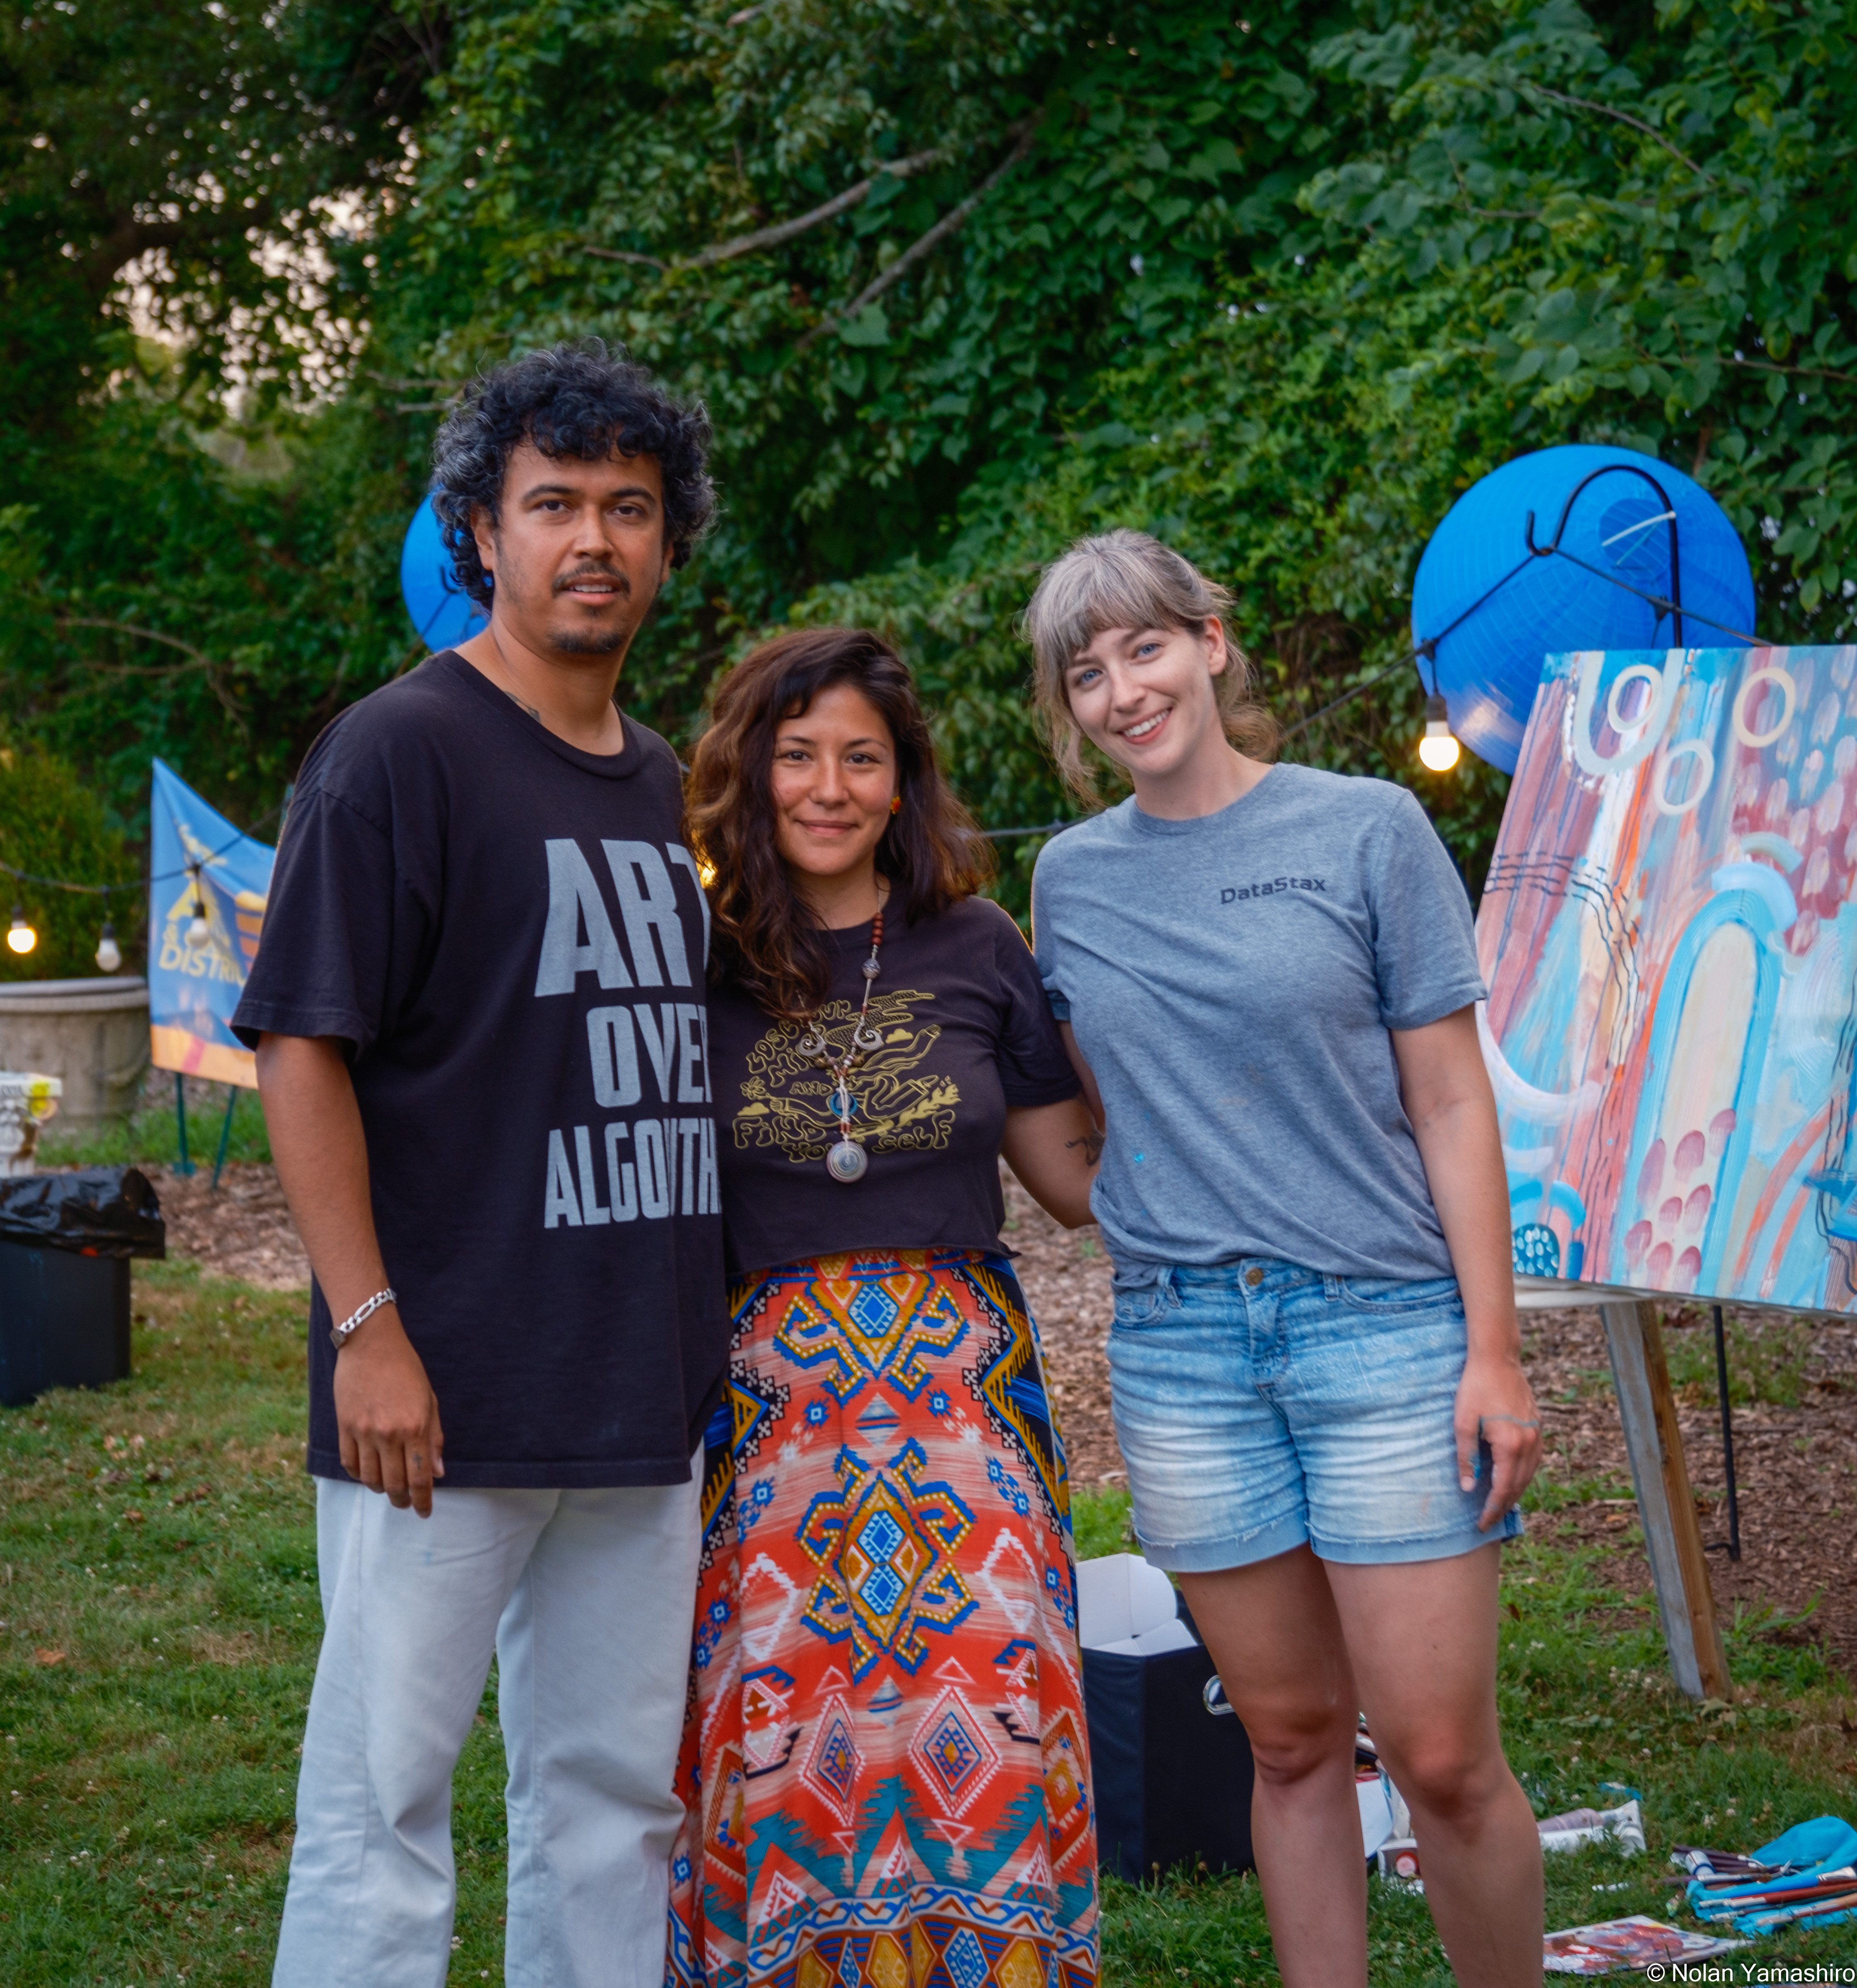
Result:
339,1335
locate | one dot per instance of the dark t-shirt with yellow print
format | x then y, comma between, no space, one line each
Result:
967,1033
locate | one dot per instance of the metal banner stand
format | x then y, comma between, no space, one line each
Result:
225,1133
184,1164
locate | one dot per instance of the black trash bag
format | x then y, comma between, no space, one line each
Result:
95,1212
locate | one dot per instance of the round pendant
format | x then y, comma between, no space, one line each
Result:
846,1162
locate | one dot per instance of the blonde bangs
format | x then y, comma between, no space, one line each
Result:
1126,580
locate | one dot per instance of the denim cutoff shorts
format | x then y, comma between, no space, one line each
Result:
1258,1405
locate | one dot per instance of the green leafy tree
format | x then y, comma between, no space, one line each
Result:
53,824
959,282
201,170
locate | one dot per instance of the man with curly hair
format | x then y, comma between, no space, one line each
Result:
478,1011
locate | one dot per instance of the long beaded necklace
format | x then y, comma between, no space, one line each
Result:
846,1161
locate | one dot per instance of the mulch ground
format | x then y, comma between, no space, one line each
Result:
242,1228
1796,1464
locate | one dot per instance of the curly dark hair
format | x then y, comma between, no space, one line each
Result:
766,941
571,400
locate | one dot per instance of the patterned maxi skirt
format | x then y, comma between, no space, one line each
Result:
884,1771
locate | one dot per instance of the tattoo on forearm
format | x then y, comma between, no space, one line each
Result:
1091,1142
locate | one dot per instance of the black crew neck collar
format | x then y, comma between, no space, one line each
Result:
618,766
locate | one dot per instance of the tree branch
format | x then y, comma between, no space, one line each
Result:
200,660
781,231
785,231
1799,372
619,255
1624,117
927,244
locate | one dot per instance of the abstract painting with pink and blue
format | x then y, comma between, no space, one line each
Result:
1669,939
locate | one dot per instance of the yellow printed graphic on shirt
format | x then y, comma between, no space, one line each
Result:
898,1109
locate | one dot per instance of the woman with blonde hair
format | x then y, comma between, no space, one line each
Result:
884,1771
1265,975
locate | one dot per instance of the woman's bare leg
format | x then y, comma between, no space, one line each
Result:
1275,1635
1423,1638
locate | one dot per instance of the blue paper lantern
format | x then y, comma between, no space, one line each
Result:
444,614
1488,658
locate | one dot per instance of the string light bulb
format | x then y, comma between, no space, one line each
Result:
1438,750
198,932
109,954
20,935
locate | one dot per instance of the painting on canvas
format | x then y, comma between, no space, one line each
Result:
1670,943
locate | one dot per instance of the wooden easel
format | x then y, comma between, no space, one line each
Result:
1673,1539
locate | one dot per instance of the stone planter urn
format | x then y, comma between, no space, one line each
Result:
91,1035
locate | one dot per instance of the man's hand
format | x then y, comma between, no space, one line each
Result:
388,1414
1496,1404
384,1407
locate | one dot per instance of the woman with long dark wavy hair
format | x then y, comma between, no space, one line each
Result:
885,1766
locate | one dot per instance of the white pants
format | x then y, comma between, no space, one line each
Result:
587,1598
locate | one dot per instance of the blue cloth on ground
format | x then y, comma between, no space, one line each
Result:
1826,1843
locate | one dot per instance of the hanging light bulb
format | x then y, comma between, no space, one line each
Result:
198,931
109,954
1438,750
21,936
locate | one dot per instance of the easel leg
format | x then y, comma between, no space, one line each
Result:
1673,1539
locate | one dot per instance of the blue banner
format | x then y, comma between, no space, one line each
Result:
206,888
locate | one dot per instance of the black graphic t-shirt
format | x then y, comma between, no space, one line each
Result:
967,1033
512,938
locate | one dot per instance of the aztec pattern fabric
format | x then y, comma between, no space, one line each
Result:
885,1772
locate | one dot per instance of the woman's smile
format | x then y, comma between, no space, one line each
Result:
1144,729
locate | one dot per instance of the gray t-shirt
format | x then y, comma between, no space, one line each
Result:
1231,981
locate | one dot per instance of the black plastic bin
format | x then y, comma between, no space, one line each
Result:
66,1243
1173,1779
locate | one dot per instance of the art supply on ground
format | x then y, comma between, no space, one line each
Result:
1398,1857
1623,1826
1385,1818
1808,1873
1399,1863
1615,1946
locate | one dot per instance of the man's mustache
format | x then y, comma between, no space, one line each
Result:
567,580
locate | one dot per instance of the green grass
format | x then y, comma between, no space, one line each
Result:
1560,1494
158,1593
152,1136
157,1585
1102,1520
1766,1358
